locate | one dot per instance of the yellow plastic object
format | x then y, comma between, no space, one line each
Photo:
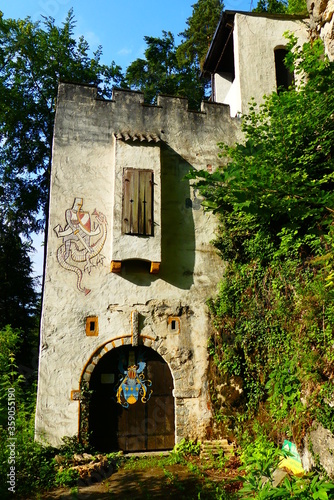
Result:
293,462
292,465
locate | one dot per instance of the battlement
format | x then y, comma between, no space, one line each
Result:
123,97
81,112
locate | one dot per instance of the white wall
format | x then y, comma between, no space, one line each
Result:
254,41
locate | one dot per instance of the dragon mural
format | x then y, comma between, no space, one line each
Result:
83,236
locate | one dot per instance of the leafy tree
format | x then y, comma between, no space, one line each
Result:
271,6
175,70
18,298
282,6
34,57
199,33
19,301
10,340
161,73
35,465
297,7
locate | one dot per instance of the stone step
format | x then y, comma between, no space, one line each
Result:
213,448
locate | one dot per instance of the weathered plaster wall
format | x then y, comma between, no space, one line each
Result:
254,41
83,171
228,92
260,37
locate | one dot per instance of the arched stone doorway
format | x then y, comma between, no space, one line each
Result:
131,409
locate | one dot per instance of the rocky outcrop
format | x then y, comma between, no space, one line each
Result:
318,446
322,23
318,449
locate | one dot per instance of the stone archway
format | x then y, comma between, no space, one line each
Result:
134,424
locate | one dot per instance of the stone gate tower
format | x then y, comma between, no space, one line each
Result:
129,269
129,261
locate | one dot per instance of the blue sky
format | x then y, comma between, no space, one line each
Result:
118,26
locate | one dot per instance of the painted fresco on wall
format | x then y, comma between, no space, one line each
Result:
83,236
133,384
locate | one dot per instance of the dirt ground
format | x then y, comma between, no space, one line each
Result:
172,481
135,485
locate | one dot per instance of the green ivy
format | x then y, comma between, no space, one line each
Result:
274,197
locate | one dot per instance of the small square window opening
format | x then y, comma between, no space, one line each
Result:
92,326
174,324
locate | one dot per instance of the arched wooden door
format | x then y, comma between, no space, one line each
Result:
132,404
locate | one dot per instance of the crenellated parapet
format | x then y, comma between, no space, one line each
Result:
193,134
133,103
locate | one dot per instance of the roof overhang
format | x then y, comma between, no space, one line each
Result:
219,53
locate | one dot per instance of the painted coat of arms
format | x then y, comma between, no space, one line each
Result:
133,384
83,238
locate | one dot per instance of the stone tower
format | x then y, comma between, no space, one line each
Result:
125,327
129,270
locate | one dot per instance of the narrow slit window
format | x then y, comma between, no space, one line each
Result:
137,215
174,324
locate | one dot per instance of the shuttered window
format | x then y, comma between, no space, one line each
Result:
137,202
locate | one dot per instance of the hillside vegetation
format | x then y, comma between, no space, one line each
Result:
272,351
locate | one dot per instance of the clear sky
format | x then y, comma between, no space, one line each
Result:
119,26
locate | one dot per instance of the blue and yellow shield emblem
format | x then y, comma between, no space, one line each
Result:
133,385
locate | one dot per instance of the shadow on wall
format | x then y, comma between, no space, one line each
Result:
177,228
178,231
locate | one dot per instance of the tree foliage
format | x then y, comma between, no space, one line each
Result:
282,6
198,35
271,6
161,73
274,198
282,177
175,70
34,57
18,298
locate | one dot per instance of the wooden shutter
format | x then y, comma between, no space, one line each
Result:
137,202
